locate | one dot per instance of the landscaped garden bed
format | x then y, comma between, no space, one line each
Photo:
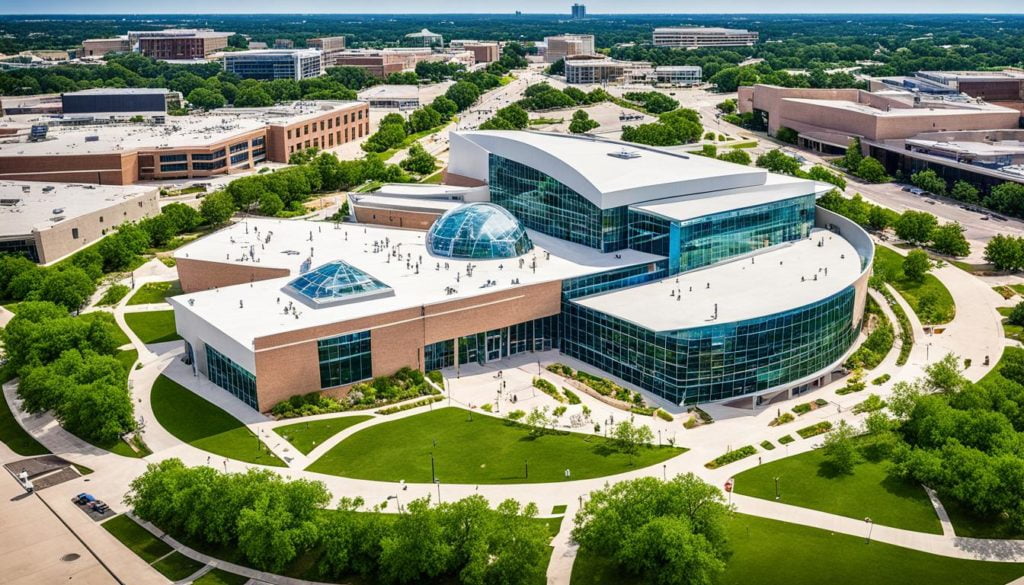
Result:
815,429
601,388
731,457
382,391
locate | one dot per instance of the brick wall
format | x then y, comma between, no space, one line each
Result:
197,275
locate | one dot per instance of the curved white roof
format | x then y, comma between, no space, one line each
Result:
596,168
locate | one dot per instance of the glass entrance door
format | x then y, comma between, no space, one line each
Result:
494,343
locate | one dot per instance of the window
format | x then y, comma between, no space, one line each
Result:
289,134
173,168
344,359
230,376
208,156
239,147
173,157
239,158
74,233
101,219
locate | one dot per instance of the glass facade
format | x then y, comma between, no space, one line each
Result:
478,230
336,281
230,376
714,362
548,206
487,346
712,238
26,248
344,359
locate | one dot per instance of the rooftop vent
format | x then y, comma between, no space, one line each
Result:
58,210
625,154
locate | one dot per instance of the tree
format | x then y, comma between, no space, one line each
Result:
419,161
386,137
270,204
787,135
916,227
238,41
183,217
538,421
69,287
217,208
949,239
852,158
650,134
629,437
423,119
12,266
1016,316
838,448
120,249
916,264
871,171
415,550
671,532
444,106
1007,198
727,106
820,173
929,181
735,155
206,99
463,94
1005,253
253,97
582,123
881,218
685,123
160,228
777,161
964,191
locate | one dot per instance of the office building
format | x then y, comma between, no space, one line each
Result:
269,64
829,119
100,47
579,11
383,62
49,221
564,46
329,47
114,150
692,37
483,52
136,100
284,44
175,44
587,70
693,279
678,75
399,97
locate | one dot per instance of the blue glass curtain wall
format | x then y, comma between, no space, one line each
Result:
714,362
344,359
224,372
548,206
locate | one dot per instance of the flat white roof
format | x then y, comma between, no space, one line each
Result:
28,206
307,52
178,131
785,275
946,108
777,188
591,167
407,203
390,92
701,29
262,303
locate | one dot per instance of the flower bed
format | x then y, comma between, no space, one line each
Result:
786,439
382,391
814,430
731,457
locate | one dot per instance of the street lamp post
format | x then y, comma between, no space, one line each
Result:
526,466
871,525
433,475
776,488
664,472
438,483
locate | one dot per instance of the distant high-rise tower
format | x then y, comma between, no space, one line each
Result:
579,11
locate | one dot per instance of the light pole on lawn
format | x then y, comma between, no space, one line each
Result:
433,475
871,524
438,483
776,488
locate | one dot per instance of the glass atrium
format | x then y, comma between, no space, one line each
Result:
478,230
336,282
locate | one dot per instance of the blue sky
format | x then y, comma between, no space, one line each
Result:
545,6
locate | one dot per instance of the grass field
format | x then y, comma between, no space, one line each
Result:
136,538
177,566
155,292
769,552
11,433
1009,330
806,481
153,326
127,357
944,309
305,436
219,577
203,425
480,449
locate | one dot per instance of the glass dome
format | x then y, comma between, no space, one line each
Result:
478,230
337,281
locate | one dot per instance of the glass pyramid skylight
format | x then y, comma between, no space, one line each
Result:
336,282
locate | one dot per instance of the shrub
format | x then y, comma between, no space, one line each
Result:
487,407
767,445
548,388
731,457
381,391
821,402
881,379
663,415
786,439
559,411
783,419
114,294
410,405
571,396
803,408
815,429
515,415
436,377
642,411
874,402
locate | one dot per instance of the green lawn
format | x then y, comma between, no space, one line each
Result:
119,447
305,436
912,291
153,326
203,425
220,577
155,292
994,374
177,566
769,552
120,338
1010,331
482,449
805,480
139,540
11,433
127,357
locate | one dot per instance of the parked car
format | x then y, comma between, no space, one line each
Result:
83,499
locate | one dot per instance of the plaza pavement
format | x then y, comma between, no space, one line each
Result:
974,333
